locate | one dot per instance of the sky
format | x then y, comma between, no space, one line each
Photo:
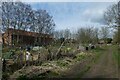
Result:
73,15
65,0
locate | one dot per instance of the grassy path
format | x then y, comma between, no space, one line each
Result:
80,68
105,67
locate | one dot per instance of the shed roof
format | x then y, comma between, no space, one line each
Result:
27,33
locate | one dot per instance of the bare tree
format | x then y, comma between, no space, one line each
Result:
87,35
67,34
43,22
61,34
56,34
112,17
104,33
95,35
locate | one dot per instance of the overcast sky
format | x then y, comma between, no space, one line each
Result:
73,15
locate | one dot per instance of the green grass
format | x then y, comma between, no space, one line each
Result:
116,54
119,58
98,52
115,50
6,55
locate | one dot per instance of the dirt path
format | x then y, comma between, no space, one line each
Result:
105,67
76,70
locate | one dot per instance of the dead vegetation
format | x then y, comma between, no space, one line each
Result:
50,60
54,66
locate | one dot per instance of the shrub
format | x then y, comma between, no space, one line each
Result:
5,76
80,56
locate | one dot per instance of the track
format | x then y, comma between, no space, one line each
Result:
105,67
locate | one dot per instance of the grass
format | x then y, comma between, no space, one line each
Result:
119,58
116,54
6,55
97,52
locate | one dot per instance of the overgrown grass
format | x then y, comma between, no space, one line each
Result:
119,58
116,54
98,51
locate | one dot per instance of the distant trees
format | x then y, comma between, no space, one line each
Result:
67,34
87,35
112,18
104,33
115,37
58,34
63,34
83,35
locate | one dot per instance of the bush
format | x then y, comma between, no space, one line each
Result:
6,55
9,54
5,76
4,50
80,56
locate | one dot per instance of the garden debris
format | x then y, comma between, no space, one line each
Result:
37,48
50,66
81,48
82,55
30,71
